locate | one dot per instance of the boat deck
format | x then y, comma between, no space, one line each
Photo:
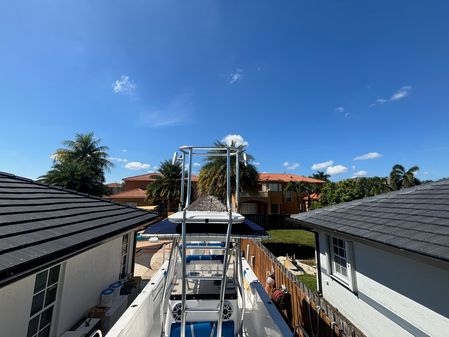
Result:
204,290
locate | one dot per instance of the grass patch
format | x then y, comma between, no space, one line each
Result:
295,236
296,242
308,280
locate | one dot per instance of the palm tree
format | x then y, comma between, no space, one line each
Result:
320,175
80,166
401,178
86,149
166,187
301,190
212,177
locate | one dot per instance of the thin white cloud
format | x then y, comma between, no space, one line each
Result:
123,85
291,166
360,173
399,94
235,76
119,160
256,163
177,111
137,165
353,167
340,109
237,140
369,155
322,166
196,164
337,169
124,150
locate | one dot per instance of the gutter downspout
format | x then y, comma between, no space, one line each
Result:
318,263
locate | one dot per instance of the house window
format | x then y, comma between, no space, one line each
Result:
44,298
124,257
288,196
274,187
341,264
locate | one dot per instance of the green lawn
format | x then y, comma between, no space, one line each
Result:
308,280
296,242
295,236
299,242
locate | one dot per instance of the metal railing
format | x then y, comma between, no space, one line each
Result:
187,153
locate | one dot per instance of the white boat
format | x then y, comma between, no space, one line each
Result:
206,288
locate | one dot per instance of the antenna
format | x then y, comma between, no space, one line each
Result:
245,160
174,158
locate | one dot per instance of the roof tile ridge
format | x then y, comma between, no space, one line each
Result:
36,182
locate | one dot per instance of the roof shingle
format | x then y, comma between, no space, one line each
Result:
40,223
414,219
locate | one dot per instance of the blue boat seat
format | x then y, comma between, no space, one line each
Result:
202,329
204,257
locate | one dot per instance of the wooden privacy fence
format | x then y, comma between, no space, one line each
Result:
305,311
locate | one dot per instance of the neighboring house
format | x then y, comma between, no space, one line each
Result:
134,190
271,197
383,261
58,250
114,188
135,197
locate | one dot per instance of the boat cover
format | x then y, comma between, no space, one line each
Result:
167,229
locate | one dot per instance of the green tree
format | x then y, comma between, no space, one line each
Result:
80,165
166,187
320,175
351,189
70,174
303,190
212,177
86,149
402,178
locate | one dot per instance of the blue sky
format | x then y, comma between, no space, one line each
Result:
303,82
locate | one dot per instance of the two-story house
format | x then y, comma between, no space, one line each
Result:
272,198
134,190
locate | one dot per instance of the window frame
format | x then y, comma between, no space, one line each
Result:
276,187
51,288
288,196
125,256
349,280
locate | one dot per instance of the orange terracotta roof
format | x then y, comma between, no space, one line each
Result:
313,196
142,177
114,185
132,194
285,178
150,177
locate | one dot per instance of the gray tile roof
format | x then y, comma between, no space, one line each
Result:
414,219
39,223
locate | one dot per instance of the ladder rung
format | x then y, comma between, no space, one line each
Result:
192,310
212,278
205,247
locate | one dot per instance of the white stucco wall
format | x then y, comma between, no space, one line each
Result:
86,275
82,279
15,306
396,295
